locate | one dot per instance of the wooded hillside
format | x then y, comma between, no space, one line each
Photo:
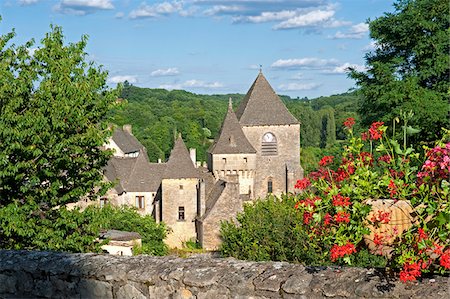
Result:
157,115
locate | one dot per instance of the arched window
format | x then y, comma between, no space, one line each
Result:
269,145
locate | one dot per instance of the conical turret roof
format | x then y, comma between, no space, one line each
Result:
231,139
262,106
180,165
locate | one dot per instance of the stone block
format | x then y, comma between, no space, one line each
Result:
129,292
7,284
90,288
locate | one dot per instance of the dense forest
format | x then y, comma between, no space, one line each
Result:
157,115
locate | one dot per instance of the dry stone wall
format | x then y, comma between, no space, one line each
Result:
59,275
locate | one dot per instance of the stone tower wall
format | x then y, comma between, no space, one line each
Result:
274,167
179,193
243,165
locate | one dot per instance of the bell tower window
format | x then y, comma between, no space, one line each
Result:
269,186
269,145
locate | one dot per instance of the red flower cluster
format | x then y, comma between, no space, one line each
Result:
341,201
410,272
422,234
437,165
341,251
378,239
327,219
342,217
374,130
364,136
349,122
381,217
386,159
302,184
392,188
445,259
366,158
326,160
307,216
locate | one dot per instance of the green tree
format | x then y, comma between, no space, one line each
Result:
409,68
52,106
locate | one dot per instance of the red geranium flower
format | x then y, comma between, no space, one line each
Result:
341,201
341,251
303,184
342,217
445,259
374,131
410,272
326,160
349,122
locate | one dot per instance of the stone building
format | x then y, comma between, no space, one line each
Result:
256,153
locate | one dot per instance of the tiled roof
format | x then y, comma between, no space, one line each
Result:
180,165
231,139
126,141
261,106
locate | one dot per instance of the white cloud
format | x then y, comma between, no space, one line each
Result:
82,7
173,71
192,84
357,31
223,9
298,86
344,68
156,10
267,16
308,63
27,2
312,18
120,79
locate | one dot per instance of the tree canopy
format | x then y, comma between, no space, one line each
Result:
52,107
409,69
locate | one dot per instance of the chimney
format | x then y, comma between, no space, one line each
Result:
193,154
127,128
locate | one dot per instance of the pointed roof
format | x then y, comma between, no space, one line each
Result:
261,106
180,165
231,139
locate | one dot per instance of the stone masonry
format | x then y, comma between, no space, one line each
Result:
35,274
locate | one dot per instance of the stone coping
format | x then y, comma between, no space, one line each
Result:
35,274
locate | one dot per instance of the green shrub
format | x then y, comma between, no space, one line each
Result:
268,230
128,219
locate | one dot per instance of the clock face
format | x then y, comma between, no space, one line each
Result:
269,137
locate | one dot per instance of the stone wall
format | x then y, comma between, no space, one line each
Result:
60,275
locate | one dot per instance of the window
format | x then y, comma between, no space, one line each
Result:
181,187
224,160
245,160
269,186
140,202
269,145
180,213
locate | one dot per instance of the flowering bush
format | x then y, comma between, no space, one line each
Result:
335,208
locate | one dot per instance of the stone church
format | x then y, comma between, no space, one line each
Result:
256,153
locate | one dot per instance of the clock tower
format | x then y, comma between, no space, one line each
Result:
275,135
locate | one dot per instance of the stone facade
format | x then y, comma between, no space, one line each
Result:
37,274
256,153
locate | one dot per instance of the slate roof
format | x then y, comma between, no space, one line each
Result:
180,165
118,235
126,141
231,139
213,197
133,174
262,106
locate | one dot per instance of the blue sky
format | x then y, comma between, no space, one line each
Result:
211,46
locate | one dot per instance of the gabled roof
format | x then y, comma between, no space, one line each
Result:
261,106
180,165
126,141
231,139
133,174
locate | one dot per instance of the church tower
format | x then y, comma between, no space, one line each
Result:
233,154
275,135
